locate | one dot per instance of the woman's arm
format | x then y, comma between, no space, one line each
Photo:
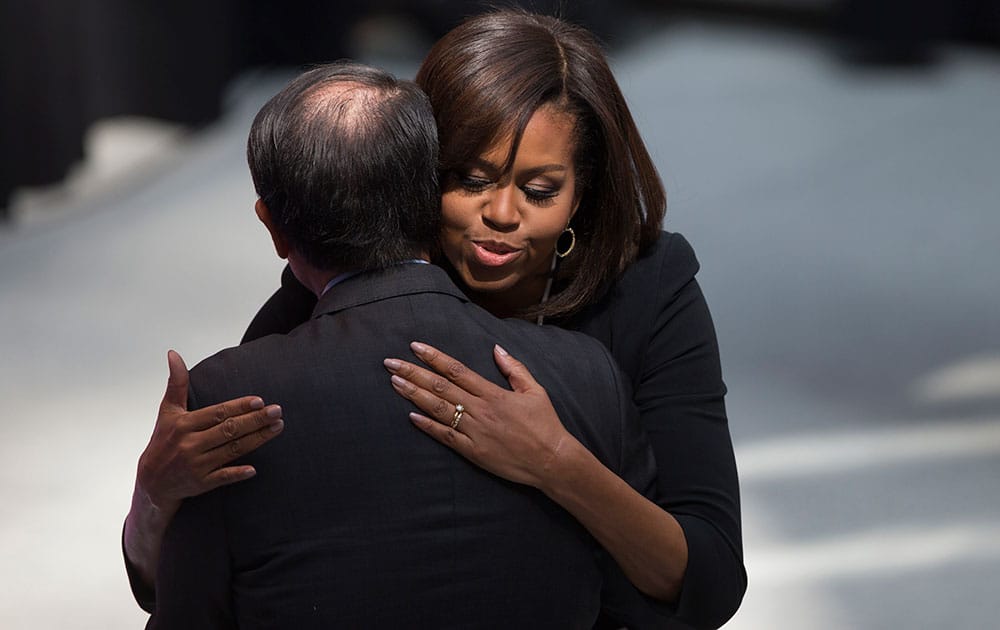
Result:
657,325
518,436
189,450
659,329
187,455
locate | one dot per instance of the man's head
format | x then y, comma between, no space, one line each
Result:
344,160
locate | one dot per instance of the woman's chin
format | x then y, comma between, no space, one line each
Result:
495,288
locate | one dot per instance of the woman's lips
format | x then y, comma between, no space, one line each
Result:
491,254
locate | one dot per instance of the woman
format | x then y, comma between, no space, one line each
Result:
551,210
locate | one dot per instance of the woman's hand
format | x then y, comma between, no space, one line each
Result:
187,455
514,434
188,451
518,436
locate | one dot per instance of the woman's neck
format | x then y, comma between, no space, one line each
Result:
498,305
510,303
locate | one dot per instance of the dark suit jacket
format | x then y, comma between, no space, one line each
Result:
357,519
655,322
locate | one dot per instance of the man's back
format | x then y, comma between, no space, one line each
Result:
355,518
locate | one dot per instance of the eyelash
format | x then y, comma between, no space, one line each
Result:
473,184
476,185
540,198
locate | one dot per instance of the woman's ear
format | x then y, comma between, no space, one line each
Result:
279,240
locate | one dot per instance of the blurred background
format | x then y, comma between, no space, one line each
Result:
834,163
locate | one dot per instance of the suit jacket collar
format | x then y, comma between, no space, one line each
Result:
381,284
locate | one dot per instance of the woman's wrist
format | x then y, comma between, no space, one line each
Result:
145,526
564,468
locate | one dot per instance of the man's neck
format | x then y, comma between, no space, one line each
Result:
318,280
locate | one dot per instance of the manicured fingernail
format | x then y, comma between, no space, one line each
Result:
274,411
257,403
501,351
278,426
392,364
418,348
400,383
416,418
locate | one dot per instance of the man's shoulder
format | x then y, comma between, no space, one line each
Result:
242,353
566,361
225,372
552,340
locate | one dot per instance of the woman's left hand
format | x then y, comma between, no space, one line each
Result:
518,436
514,434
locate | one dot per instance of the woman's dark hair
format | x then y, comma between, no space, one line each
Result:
345,158
488,76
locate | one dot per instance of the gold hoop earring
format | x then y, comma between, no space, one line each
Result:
572,242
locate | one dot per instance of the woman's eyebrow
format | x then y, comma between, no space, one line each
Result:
494,170
544,168
490,168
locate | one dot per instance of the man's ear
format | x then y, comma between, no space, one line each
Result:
279,240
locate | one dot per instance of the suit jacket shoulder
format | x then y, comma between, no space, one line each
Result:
353,512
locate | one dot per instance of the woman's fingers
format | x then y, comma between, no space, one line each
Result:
260,424
218,414
434,394
452,369
247,433
175,398
189,450
517,374
452,438
514,435
429,402
226,476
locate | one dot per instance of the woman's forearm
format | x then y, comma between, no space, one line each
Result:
645,540
145,527
188,454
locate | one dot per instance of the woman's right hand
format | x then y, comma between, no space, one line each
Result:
187,455
188,452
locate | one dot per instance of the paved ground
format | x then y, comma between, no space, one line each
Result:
847,225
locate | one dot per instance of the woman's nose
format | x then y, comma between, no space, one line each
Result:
500,212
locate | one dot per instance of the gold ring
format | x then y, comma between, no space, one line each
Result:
459,410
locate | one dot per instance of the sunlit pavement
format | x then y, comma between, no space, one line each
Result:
847,226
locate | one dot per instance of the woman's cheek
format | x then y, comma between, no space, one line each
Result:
451,246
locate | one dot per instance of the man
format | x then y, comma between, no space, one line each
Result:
356,519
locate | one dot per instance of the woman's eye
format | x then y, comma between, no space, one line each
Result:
473,183
539,195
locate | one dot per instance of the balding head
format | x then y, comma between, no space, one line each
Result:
345,159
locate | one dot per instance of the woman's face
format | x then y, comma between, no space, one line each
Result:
499,230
